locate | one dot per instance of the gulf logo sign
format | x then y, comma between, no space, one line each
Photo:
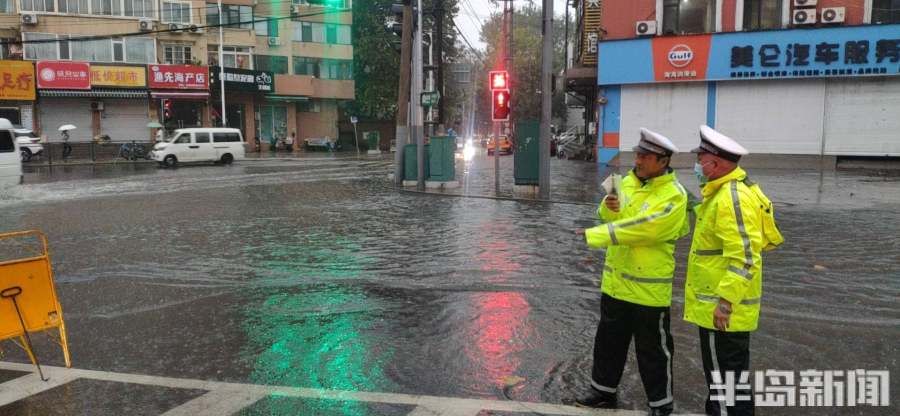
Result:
682,58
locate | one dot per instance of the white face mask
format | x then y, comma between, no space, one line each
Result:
698,171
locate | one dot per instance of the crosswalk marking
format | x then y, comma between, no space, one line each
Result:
227,398
31,384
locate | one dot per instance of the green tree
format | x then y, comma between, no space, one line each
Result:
526,65
376,55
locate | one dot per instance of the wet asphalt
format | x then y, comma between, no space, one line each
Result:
316,272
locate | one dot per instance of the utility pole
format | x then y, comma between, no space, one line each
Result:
546,93
439,50
402,130
221,66
416,127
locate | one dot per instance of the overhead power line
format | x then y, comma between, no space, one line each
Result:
145,33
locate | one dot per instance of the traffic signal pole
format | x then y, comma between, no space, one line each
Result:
402,128
416,126
546,93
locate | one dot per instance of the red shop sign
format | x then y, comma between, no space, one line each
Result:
178,77
64,75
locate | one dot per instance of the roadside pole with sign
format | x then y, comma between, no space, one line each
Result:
354,120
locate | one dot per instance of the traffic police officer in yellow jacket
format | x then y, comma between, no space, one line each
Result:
641,225
724,275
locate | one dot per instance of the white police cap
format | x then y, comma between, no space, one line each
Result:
653,142
719,144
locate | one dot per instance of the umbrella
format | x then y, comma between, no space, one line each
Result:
66,127
154,125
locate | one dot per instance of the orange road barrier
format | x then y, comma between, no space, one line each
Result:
28,301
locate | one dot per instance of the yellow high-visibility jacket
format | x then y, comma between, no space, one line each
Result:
725,260
641,238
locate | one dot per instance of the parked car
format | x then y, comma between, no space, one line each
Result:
29,145
10,160
200,145
505,145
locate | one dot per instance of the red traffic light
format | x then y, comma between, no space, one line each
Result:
499,80
500,107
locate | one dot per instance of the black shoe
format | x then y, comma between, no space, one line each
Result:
596,399
664,410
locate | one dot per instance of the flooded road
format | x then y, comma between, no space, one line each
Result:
317,273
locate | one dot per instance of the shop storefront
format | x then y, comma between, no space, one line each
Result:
98,99
244,90
64,90
17,93
180,94
121,91
826,91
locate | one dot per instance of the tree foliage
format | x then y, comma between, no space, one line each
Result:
526,63
376,56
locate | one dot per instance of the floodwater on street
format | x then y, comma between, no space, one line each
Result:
318,273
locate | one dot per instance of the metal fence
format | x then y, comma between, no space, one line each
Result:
106,151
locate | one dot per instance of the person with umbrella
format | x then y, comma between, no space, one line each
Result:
64,132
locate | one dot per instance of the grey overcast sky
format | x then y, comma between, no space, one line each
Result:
473,12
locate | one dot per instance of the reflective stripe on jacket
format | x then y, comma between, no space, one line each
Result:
725,261
641,238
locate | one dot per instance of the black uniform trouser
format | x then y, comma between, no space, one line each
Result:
67,149
649,326
727,352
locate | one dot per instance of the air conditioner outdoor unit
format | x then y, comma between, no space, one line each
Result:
274,41
97,105
29,19
645,27
805,3
804,17
833,15
295,9
174,28
193,28
145,25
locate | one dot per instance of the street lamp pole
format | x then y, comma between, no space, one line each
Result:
221,67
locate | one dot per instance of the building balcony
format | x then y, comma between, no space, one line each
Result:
310,86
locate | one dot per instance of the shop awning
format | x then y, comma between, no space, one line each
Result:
97,93
184,95
293,98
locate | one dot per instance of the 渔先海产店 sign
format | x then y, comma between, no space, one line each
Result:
872,50
63,75
16,80
118,76
178,77
245,79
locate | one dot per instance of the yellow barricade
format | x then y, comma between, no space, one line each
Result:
28,293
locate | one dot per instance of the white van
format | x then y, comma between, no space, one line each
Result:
10,160
200,145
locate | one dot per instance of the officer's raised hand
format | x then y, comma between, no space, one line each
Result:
612,202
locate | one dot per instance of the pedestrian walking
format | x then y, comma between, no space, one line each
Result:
67,148
289,142
642,221
723,291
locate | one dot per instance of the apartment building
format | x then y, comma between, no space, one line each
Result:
793,77
286,66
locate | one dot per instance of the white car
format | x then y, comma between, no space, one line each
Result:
200,145
29,146
10,164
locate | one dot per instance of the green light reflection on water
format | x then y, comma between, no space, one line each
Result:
312,333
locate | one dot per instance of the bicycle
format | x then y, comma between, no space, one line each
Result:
133,151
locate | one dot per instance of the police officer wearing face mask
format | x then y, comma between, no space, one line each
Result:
642,223
723,291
